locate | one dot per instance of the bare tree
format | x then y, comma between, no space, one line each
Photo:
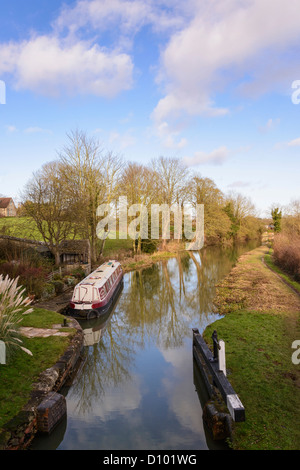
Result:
138,184
112,166
171,183
46,201
93,180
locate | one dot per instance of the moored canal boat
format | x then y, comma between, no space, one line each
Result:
94,294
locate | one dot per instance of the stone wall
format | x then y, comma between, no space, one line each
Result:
46,406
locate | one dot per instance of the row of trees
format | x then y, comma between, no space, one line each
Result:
63,196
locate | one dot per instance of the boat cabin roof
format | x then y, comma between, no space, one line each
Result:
98,277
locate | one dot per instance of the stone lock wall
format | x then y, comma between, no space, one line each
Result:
50,412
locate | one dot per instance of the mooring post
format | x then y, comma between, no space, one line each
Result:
215,345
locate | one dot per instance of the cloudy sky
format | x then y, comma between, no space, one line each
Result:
207,81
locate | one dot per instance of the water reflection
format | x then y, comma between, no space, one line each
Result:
135,389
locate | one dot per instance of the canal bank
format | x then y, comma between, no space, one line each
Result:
259,325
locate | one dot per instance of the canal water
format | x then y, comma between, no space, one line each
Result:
137,387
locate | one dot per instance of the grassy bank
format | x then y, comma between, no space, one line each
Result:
260,323
22,370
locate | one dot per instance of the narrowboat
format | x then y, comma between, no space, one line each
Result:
93,296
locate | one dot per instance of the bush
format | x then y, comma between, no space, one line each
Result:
58,286
287,253
70,280
13,305
147,246
31,278
48,290
78,273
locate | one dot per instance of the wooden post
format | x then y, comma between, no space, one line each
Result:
215,345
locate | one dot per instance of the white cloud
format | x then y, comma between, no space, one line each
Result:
294,143
127,17
168,136
216,157
37,130
219,46
49,65
11,129
123,140
271,124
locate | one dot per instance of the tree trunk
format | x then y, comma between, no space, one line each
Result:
56,256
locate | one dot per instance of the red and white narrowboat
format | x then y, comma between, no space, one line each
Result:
94,294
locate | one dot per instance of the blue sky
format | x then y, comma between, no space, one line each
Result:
207,81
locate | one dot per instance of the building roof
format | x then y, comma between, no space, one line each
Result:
4,201
75,247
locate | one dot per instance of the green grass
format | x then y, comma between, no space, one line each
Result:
20,227
22,370
258,359
112,247
41,318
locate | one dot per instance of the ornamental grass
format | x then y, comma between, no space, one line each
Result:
13,305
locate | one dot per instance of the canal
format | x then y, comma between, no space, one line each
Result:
137,387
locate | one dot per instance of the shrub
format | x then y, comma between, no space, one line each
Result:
30,277
287,253
70,280
13,305
58,286
48,290
78,273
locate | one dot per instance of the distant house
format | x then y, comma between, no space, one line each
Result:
7,207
